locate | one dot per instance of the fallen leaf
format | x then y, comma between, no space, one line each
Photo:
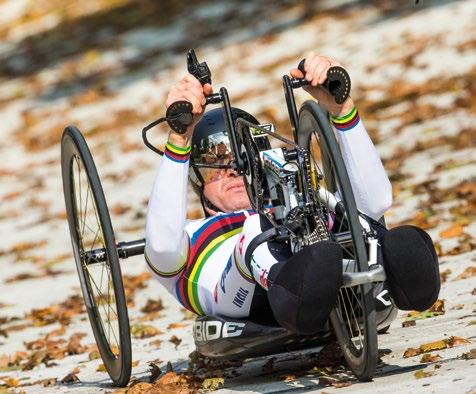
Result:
152,306
469,355
155,372
156,343
11,382
132,283
94,354
408,323
289,378
119,209
430,358
415,315
438,307
422,374
339,385
456,341
213,383
467,273
143,331
411,352
444,275
172,382
140,388
473,292
171,326
101,368
71,377
453,231
437,345
175,340
48,382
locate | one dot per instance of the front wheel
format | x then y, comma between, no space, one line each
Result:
353,318
99,272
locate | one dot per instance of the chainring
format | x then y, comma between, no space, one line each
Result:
252,172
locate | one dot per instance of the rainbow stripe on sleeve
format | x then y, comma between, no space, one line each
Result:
204,242
346,122
177,154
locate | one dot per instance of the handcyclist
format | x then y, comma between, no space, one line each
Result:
201,262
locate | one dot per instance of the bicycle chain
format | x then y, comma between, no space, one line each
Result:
320,232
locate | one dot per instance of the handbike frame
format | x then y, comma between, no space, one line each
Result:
134,248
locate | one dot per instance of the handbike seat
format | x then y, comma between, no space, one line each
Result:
226,338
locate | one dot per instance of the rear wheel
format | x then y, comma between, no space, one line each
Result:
99,273
353,318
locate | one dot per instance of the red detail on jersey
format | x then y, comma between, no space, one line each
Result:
263,279
240,243
215,294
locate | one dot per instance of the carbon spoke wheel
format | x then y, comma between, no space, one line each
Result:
91,230
353,318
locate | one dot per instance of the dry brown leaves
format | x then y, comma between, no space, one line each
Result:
71,377
175,340
41,273
144,331
430,358
152,306
172,326
152,310
9,382
44,351
467,273
471,355
61,313
401,91
437,309
444,275
422,374
20,248
437,345
455,230
170,382
132,283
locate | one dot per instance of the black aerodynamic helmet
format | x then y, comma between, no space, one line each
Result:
211,148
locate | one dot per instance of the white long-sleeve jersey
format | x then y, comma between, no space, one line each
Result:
201,261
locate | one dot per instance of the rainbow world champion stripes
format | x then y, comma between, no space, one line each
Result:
346,122
203,244
177,154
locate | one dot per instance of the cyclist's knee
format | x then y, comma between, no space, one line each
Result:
411,265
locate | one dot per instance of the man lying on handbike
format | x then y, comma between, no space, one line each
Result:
201,262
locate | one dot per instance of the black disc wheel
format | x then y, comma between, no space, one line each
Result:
96,255
353,318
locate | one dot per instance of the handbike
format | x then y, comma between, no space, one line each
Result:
303,189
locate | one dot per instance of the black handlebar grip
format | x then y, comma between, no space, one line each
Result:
301,67
337,82
179,116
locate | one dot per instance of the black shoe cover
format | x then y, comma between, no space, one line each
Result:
303,289
411,266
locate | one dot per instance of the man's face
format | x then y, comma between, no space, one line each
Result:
226,190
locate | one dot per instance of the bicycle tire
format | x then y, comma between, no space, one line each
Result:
75,157
361,360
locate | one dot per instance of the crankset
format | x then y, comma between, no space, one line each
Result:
252,170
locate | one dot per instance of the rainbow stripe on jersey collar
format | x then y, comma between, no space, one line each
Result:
177,154
347,122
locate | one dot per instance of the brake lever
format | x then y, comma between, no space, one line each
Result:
336,84
179,114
